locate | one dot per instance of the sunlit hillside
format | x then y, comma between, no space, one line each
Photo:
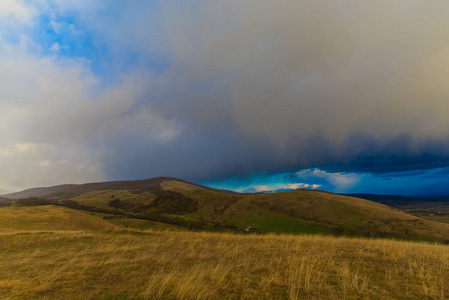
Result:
49,217
180,203
56,218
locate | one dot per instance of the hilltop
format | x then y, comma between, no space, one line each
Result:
179,202
66,191
36,192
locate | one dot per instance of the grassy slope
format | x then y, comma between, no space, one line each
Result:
239,212
187,265
175,185
290,212
314,212
49,218
144,224
442,219
349,213
3,199
101,198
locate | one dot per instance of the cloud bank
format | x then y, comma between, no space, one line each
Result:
216,89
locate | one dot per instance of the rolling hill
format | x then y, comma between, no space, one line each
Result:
307,211
179,202
49,217
36,192
136,186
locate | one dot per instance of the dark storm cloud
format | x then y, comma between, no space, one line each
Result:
215,89
292,85
367,153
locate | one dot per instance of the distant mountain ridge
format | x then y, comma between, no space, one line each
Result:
395,200
37,192
72,190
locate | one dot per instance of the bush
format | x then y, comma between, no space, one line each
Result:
33,201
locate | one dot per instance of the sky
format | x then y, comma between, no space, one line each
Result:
256,95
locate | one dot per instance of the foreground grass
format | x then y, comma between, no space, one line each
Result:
188,265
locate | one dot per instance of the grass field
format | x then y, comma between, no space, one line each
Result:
49,217
119,264
310,212
100,199
144,224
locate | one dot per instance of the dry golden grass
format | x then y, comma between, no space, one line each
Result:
101,198
188,265
306,211
49,217
179,186
144,224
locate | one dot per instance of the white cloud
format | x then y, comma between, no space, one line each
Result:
17,149
56,117
52,116
15,12
55,47
280,187
339,180
39,164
